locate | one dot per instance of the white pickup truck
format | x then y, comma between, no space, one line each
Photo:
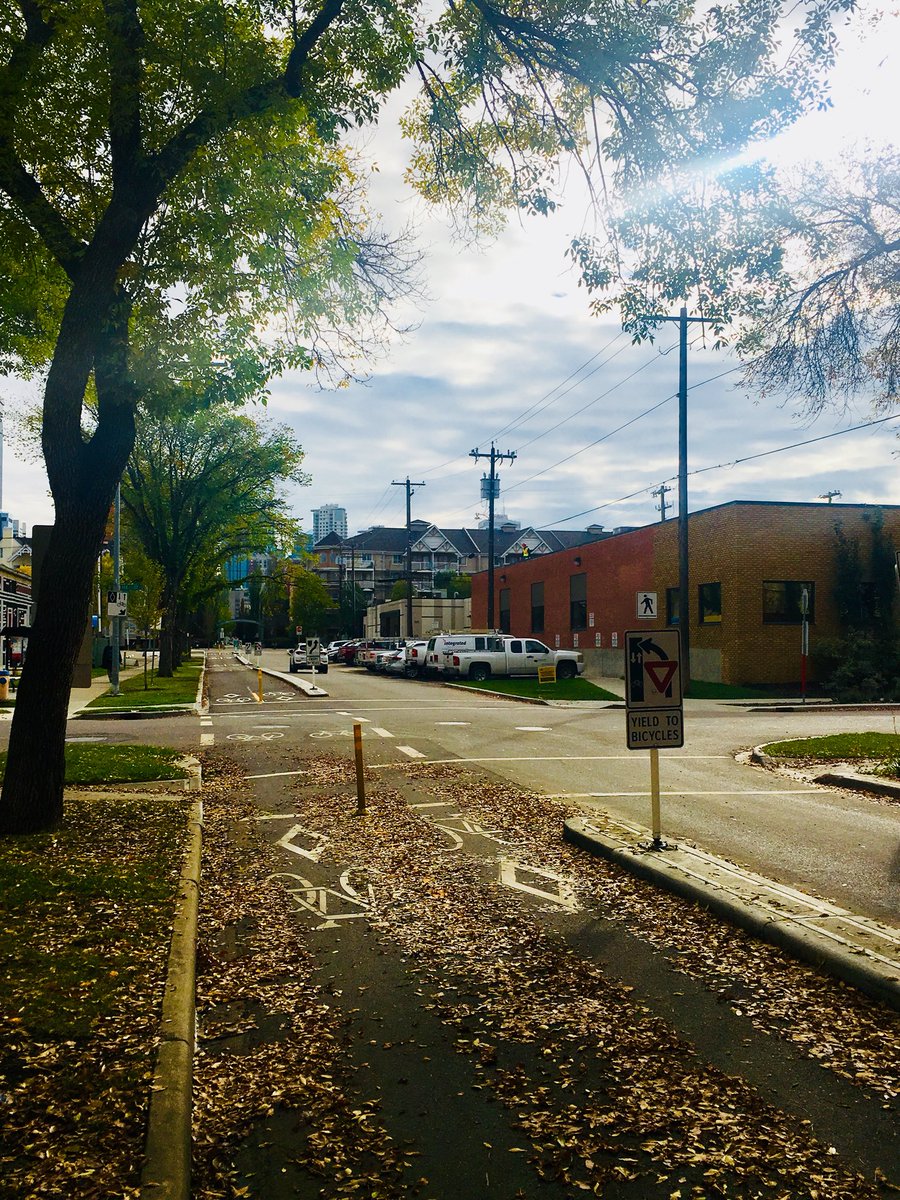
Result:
511,656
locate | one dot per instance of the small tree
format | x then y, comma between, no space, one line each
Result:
311,604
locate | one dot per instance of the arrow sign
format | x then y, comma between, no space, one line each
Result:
661,673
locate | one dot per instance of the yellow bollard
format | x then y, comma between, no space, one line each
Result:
360,780
260,697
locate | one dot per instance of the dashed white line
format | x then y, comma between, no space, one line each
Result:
275,775
382,733
408,750
532,729
207,739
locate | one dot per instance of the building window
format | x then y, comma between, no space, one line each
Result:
709,603
578,601
783,601
537,608
673,606
505,625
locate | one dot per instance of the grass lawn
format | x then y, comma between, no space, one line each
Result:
840,747
85,922
699,690
563,689
87,764
180,689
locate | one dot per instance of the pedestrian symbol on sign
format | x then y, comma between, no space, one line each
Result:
646,605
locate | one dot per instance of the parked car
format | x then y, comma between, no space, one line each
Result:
511,656
444,643
369,657
298,660
347,654
333,649
412,664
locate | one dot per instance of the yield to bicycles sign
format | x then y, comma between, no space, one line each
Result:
653,694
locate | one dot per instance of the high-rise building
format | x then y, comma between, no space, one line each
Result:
329,518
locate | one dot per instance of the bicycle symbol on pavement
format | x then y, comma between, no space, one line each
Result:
233,698
343,903
329,733
253,737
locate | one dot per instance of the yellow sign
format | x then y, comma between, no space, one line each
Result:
546,674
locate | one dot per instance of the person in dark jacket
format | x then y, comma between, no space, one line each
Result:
107,660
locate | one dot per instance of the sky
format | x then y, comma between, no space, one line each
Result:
505,348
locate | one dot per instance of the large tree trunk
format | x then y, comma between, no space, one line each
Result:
32,796
168,629
83,477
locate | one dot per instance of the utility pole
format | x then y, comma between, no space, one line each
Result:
662,491
117,581
829,496
409,604
684,592
495,456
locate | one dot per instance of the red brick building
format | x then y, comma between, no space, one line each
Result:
750,562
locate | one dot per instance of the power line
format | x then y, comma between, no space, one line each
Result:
596,400
590,445
539,406
735,463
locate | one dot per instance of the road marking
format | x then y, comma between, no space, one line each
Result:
411,752
710,792
321,901
207,739
382,733
252,737
435,804
563,895
274,775
453,722
532,728
102,737
314,853
539,758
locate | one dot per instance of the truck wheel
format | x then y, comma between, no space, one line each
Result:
566,670
479,672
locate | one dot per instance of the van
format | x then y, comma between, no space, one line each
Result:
456,643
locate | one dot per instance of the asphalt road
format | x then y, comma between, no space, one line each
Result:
838,845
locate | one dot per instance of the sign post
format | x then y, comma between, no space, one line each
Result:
313,650
653,703
804,641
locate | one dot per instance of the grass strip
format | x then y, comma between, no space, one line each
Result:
85,922
840,746
117,763
563,689
180,688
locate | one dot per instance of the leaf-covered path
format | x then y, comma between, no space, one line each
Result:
442,999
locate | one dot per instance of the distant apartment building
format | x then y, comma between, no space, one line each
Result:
329,518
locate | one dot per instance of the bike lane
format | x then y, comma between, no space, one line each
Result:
509,1032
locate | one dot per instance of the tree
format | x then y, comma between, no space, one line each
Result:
172,180
454,585
199,488
311,605
832,329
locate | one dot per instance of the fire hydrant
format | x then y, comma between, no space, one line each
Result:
4,685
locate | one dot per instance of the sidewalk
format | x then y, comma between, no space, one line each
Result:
861,952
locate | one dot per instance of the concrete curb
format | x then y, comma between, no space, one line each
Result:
805,944
202,709
193,782
309,689
167,1167
851,781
